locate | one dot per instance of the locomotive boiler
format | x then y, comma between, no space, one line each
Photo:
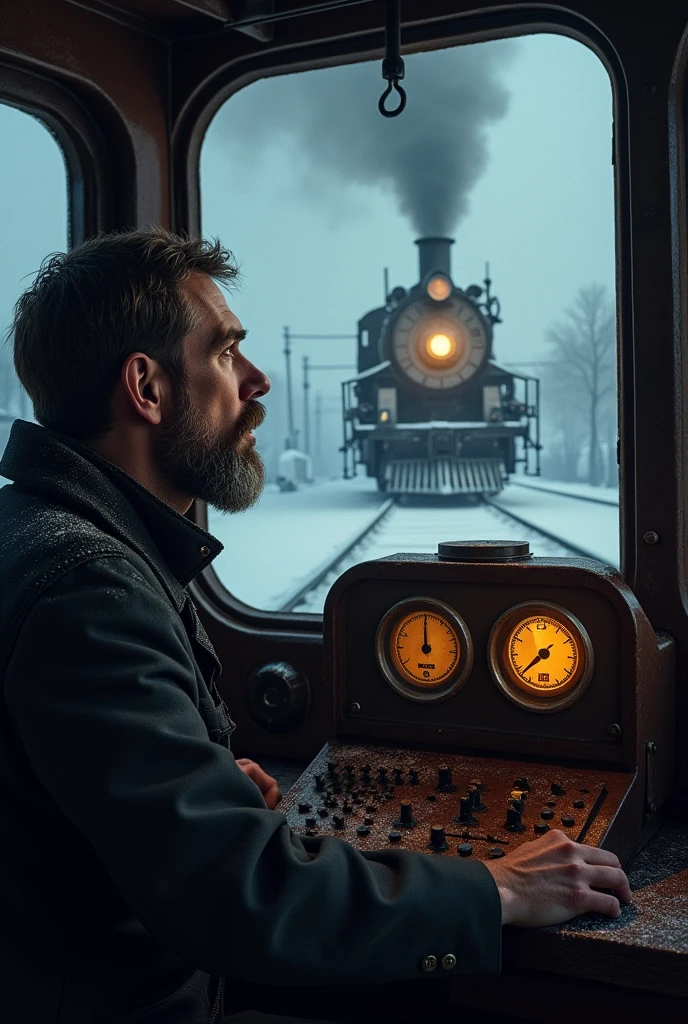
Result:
430,411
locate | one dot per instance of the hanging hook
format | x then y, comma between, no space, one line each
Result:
402,100
393,65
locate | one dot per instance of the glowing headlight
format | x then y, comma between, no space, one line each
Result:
439,287
439,346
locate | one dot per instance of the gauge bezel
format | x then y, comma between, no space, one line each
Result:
502,672
459,675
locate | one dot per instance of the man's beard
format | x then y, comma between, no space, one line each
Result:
223,469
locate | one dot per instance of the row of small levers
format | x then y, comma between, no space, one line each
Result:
331,785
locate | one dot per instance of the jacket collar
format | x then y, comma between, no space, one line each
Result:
56,465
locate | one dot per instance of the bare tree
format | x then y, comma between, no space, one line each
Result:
584,357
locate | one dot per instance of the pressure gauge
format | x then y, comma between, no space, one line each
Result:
540,656
424,649
440,346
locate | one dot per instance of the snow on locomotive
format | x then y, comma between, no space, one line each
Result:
430,411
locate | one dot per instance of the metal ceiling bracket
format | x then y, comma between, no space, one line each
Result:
261,10
393,65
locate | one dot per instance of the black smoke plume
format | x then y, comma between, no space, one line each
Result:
429,157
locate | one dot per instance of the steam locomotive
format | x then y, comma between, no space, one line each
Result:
430,411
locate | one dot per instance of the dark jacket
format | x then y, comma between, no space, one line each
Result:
138,863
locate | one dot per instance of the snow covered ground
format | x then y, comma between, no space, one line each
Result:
419,528
603,495
593,527
276,547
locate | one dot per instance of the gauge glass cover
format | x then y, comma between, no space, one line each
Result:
424,649
541,656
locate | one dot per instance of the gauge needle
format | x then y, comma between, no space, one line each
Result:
543,653
426,648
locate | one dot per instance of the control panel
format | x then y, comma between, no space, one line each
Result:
482,697
380,797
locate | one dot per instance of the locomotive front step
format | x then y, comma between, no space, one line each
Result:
444,476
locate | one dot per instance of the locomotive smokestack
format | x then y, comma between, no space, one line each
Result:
434,254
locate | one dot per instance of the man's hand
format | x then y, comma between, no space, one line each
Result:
265,783
552,879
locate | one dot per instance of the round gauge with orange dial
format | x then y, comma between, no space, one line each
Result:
424,649
541,656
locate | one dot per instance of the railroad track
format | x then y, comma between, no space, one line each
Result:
396,527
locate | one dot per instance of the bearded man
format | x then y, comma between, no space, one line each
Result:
142,864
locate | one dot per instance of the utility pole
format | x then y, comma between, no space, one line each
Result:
289,338
306,410
291,440
318,429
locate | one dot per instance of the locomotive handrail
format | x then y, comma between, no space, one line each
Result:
443,425
378,368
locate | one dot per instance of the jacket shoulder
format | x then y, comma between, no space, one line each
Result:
40,542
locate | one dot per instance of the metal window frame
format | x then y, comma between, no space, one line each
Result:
88,162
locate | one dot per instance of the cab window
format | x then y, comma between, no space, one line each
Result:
34,218
433,298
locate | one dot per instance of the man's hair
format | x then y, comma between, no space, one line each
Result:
88,309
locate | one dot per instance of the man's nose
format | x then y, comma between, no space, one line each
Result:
255,384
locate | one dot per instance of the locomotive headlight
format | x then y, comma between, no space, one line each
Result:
440,346
439,287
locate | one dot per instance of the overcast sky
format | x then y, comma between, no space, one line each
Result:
313,242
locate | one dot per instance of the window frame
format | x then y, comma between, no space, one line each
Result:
81,142
187,141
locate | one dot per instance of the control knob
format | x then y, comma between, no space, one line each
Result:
465,816
278,696
476,799
438,839
522,783
445,784
406,819
513,821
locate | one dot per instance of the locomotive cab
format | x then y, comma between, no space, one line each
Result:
430,411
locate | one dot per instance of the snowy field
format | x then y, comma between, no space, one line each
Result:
279,544
420,526
592,527
276,547
603,495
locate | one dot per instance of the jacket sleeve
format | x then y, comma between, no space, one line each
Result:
101,687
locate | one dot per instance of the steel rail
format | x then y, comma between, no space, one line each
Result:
573,548
331,564
566,494
322,572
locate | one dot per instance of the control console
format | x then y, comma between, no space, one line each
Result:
380,797
482,697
